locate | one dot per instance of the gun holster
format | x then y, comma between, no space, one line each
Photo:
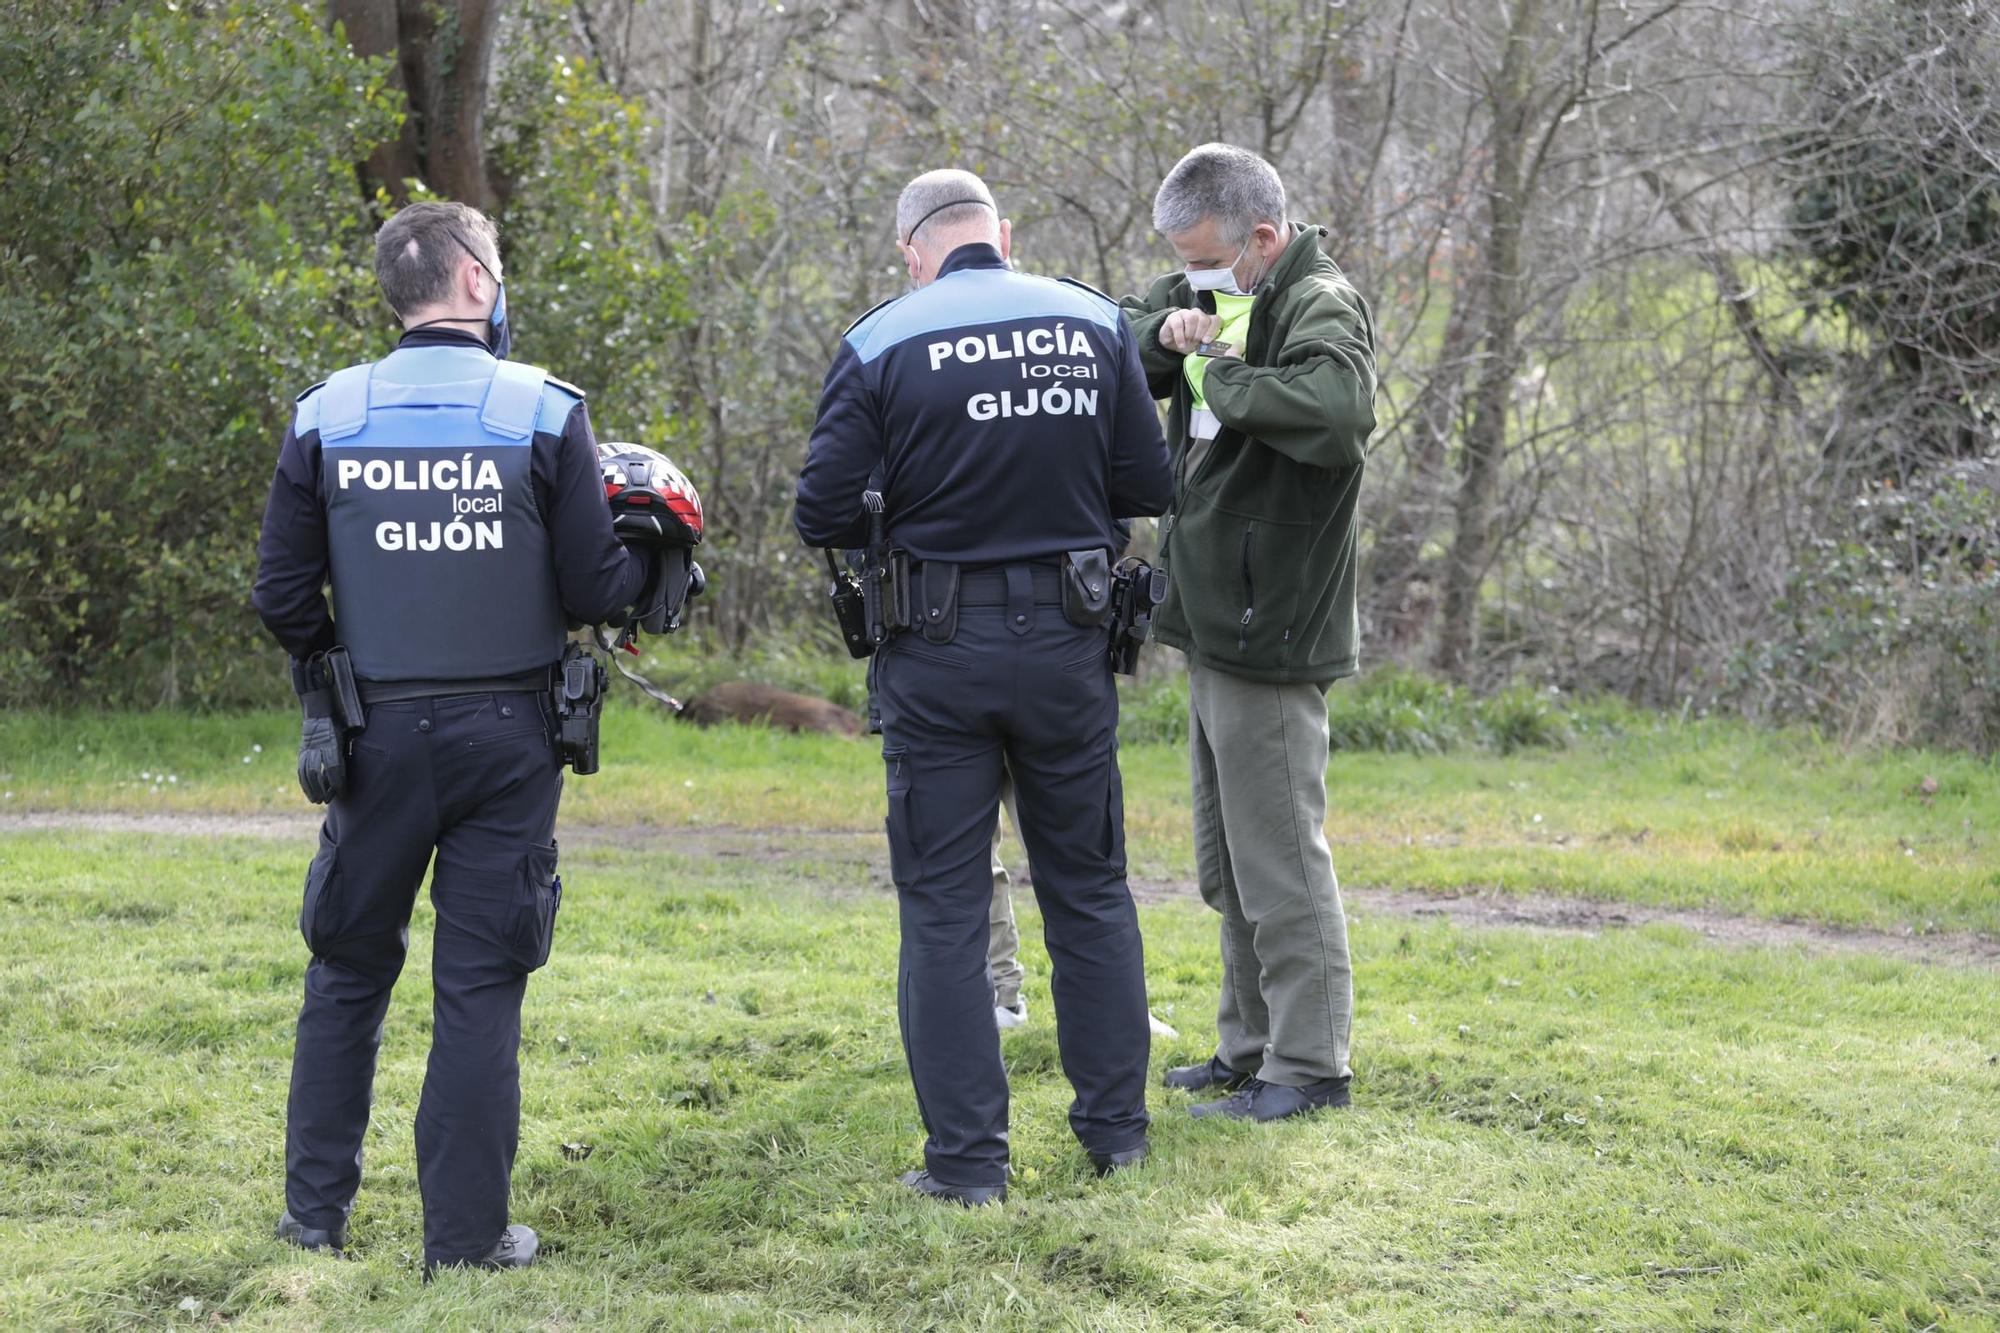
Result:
1137,591
885,578
331,716
579,704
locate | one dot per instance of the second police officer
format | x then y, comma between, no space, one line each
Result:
455,502
1011,423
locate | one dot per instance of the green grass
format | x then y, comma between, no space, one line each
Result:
1711,814
1634,1131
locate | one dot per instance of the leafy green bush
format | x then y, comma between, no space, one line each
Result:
1521,718
1153,709
1398,711
183,247
1892,630
597,296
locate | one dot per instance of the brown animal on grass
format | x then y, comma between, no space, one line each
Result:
748,701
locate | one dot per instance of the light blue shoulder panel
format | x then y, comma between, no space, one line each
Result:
305,413
559,399
514,401
971,297
343,403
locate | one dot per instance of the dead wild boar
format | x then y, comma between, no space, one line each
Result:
748,701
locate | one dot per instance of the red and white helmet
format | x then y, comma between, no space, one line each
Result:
652,501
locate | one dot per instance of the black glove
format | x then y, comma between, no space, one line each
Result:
649,613
322,752
671,579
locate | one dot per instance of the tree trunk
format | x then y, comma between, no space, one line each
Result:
443,51
373,29
1397,618
1485,444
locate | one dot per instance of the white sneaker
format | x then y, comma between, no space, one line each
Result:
1004,1018
1160,1029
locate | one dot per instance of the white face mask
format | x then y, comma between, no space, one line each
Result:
1219,279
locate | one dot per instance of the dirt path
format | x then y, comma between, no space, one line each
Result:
1580,916
1585,916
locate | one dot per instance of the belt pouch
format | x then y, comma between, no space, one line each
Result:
902,613
1086,586
347,710
936,604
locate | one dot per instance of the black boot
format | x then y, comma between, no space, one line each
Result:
294,1232
1104,1163
1263,1102
972,1196
1210,1073
516,1248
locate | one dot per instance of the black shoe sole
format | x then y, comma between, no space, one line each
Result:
965,1196
1333,1101
1118,1161
313,1240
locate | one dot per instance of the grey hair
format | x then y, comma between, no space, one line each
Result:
1217,180
420,248
928,200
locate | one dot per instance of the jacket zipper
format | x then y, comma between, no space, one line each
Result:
1249,595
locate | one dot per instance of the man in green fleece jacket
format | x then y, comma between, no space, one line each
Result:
1268,357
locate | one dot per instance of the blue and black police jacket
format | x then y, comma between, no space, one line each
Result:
456,504
1007,414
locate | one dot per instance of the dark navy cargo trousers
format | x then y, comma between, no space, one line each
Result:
1017,686
474,779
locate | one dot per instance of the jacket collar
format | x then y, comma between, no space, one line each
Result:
976,255
1301,255
441,336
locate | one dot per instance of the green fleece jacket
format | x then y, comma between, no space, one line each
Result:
1260,541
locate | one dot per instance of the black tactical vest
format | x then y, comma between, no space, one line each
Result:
441,566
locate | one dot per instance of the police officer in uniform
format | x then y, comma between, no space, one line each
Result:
453,500
1012,424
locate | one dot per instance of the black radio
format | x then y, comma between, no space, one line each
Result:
850,608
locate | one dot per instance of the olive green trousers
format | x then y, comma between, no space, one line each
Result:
1003,939
1259,755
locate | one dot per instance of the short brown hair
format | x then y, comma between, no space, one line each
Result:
419,248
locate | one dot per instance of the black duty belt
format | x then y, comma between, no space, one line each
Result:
401,691
986,585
